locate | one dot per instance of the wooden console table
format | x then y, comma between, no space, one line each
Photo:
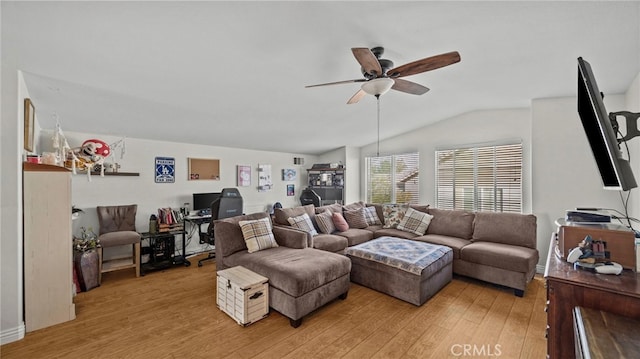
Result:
568,288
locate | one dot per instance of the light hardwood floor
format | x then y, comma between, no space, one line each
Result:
172,314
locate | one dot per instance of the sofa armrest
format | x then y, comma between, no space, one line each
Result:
291,237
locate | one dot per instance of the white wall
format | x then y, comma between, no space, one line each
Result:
149,196
632,100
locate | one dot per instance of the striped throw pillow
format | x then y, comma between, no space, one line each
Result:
325,222
415,222
356,218
303,222
258,234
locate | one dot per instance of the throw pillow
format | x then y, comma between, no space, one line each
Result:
304,223
258,234
355,218
371,215
393,214
353,206
415,222
325,222
340,223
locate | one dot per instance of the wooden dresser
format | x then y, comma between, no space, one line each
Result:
568,288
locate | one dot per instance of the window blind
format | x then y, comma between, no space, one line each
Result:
393,178
487,178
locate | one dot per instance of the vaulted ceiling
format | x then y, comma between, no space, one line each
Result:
234,73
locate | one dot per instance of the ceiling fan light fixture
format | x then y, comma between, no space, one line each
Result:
378,86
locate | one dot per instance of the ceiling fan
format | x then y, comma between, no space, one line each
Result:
380,75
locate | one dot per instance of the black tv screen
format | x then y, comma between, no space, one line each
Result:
614,169
202,201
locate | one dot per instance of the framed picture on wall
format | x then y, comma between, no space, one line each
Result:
29,124
204,169
291,190
165,170
244,176
288,174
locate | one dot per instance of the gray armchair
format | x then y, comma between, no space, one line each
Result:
118,228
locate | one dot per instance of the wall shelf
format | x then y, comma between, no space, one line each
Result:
110,173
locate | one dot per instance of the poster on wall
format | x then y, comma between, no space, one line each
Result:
264,178
244,176
291,190
165,170
288,174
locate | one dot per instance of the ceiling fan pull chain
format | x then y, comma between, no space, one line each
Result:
378,143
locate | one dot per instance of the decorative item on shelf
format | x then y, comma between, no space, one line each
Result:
84,158
170,220
86,259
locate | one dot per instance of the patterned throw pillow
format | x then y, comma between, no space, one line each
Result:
325,222
340,223
393,214
304,223
355,218
258,234
371,216
415,222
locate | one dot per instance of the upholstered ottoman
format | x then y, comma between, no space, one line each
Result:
409,270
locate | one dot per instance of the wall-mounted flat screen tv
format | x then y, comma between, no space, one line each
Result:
614,169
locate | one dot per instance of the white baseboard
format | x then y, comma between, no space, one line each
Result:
539,269
12,335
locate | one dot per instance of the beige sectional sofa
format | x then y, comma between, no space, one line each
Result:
499,248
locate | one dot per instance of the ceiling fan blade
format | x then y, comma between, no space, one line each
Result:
409,87
338,83
426,64
357,97
367,60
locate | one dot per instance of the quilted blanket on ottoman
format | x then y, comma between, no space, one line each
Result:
407,255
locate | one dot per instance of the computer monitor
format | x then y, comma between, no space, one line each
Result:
202,201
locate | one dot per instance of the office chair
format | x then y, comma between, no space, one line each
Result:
118,228
309,196
228,205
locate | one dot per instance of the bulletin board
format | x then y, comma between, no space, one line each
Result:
204,169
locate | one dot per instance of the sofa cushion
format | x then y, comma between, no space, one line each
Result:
228,234
499,255
339,221
451,223
283,214
393,214
393,232
303,222
415,221
508,228
355,218
371,215
294,271
330,242
257,234
356,236
454,243
325,222
421,208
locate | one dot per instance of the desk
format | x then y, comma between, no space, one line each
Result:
568,288
198,221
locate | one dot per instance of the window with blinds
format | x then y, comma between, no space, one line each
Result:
393,179
485,178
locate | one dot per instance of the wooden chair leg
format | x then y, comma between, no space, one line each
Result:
136,258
